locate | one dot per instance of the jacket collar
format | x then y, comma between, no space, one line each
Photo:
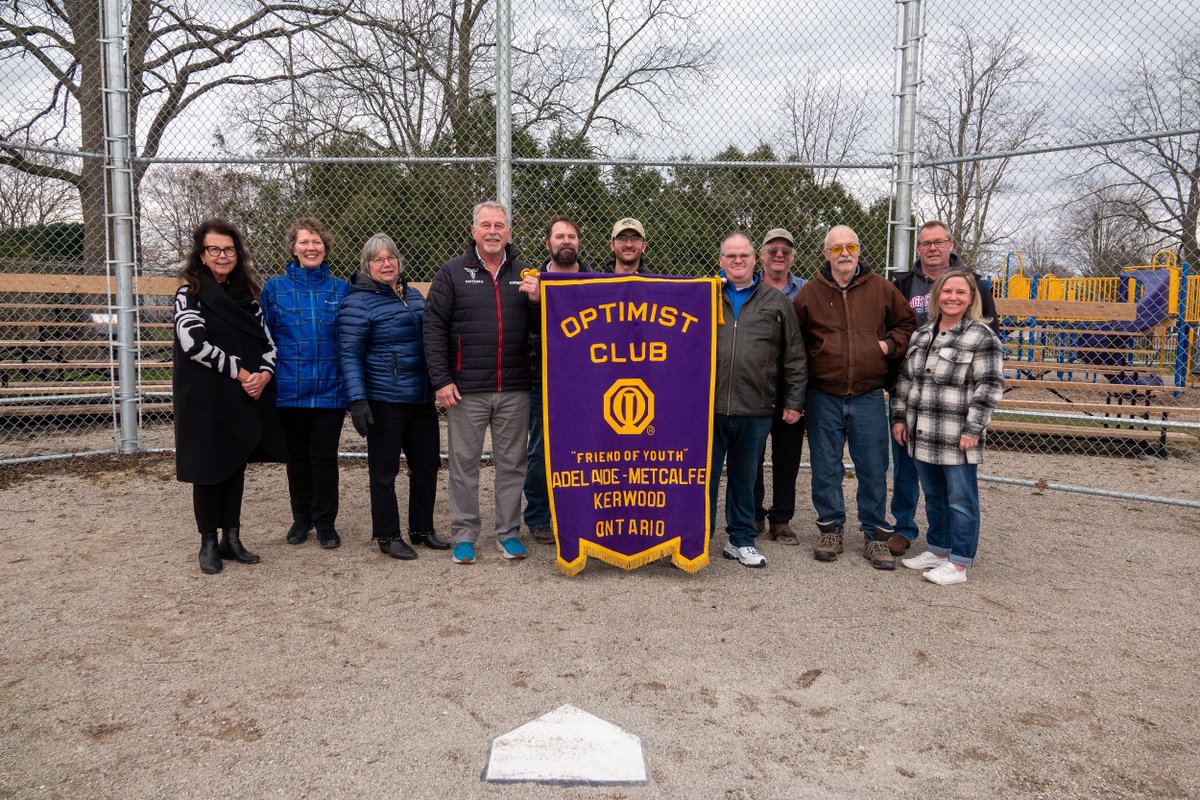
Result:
305,274
826,274
474,260
219,302
363,281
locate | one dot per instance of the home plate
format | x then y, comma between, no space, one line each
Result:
567,745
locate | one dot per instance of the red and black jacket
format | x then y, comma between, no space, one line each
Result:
476,328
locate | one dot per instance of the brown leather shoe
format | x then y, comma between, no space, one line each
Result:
831,542
898,545
542,534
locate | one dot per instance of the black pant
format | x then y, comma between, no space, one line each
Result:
786,443
312,436
413,428
219,505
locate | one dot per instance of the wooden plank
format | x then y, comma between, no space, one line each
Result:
1059,366
1124,411
14,364
1039,329
82,322
97,342
37,388
1092,386
1088,431
53,410
81,284
1065,309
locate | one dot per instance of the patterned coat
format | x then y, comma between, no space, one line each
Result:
218,427
950,383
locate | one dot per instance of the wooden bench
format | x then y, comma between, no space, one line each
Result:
1091,431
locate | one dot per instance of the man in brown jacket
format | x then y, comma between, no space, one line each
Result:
853,323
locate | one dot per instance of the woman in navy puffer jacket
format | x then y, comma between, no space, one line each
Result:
300,309
391,399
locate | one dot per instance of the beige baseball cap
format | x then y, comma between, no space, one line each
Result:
628,224
779,233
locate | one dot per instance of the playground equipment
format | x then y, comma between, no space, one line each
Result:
1115,350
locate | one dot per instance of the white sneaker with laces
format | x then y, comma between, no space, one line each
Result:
746,556
924,561
946,575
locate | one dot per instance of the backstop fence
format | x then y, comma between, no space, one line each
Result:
1059,145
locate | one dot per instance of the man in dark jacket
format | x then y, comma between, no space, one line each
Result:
935,255
759,352
476,333
854,322
562,243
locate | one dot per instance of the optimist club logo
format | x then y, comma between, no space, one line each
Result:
629,405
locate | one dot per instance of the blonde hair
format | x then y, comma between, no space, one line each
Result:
974,310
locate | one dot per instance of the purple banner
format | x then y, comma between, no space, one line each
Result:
627,381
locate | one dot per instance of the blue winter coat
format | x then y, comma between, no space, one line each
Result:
300,309
380,342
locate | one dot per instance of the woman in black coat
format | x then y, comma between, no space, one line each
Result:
224,399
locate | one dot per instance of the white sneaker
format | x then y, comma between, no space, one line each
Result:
946,575
923,561
746,556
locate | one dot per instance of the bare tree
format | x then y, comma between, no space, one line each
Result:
1154,182
1100,236
176,55
409,76
27,199
975,103
822,125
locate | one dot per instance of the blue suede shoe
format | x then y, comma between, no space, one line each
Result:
464,553
511,548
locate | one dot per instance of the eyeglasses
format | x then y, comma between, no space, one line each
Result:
737,256
779,251
838,249
228,252
634,239
933,243
379,261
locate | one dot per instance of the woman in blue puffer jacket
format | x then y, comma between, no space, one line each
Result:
300,309
391,399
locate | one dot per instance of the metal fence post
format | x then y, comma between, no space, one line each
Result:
119,179
504,102
906,138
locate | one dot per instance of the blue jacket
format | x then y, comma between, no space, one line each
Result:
380,342
300,309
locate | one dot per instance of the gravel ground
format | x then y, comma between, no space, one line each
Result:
1064,668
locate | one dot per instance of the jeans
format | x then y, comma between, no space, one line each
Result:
787,441
861,420
906,491
412,428
219,505
952,506
312,436
737,444
537,493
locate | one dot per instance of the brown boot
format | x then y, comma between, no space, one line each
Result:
878,554
782,532
831,541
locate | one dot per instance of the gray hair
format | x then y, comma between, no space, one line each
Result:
376,245
496,204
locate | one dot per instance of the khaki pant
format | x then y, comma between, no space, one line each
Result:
508,415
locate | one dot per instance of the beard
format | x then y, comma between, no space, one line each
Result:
565,256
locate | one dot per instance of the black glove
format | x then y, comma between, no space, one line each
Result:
360,415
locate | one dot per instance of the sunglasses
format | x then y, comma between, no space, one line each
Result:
779,251
838,249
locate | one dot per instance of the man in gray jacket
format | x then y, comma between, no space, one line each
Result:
759,350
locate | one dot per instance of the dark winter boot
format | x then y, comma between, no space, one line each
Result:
210,558
231,547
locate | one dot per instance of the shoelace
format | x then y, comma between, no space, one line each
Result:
829,539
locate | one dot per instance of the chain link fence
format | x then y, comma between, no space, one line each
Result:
1059,145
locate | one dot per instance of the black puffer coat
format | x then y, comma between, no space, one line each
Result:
477,329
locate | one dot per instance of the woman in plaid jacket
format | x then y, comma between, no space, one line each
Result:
950,383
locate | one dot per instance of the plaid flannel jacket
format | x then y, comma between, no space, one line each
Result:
949,387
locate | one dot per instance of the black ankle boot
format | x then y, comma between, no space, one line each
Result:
210,558
231,547
396,548
430,540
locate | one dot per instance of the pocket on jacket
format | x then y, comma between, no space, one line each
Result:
950,367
